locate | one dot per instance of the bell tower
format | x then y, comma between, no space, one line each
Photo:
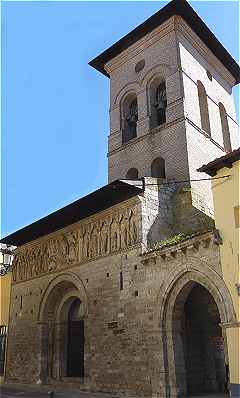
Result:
171,103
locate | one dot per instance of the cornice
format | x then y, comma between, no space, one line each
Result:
182,27
135,49
192,244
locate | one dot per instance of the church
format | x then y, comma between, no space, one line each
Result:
122,291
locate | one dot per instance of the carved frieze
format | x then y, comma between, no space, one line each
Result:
86,242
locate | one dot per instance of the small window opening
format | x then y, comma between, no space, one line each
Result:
203,107
225,128
130,116
121,281
132,174
158,168
136,293
161,103
209,75
158,101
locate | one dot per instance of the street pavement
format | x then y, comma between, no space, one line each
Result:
23,392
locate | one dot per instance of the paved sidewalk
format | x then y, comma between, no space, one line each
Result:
13,391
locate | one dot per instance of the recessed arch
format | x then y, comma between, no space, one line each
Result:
163,70
225,128
59,287
203,107
154,84
132,174
157,101
175,289
158,168
61,336
131,87
129,112
196,338
202,273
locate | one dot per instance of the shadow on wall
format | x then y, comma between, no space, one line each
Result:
176,214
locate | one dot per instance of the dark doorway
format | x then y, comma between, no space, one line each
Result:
198,344
75,349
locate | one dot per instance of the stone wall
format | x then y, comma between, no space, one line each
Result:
124,351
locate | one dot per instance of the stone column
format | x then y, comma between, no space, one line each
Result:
44,342
143,124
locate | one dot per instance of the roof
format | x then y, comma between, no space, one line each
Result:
175,7
102,199
224,161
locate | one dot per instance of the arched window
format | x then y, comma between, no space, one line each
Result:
203,106
158,168
225,128
158,102
130,117
132,174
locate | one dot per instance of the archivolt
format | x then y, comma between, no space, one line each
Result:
160,70
132,87
200,272
61,286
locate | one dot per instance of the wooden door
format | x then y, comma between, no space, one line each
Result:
75,364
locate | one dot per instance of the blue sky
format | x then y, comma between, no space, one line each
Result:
55,120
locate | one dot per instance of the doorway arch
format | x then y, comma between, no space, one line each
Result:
198,344
62,316
174,295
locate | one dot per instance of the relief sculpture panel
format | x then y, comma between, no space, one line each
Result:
87,241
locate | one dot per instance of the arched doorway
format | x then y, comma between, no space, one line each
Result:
198,344
62,328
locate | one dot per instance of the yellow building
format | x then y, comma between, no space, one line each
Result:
226,192
5,288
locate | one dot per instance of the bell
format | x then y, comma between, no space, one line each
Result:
160,104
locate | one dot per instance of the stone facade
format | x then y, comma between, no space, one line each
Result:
123,286
125,350
138,270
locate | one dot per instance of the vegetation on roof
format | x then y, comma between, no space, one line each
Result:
175,239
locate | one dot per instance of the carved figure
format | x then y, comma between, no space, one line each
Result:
94,250
132,228
72,239
52,254
104,238
88,242
115,233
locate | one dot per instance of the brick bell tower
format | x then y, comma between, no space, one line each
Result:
171,102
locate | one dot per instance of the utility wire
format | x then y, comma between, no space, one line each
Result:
176,181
